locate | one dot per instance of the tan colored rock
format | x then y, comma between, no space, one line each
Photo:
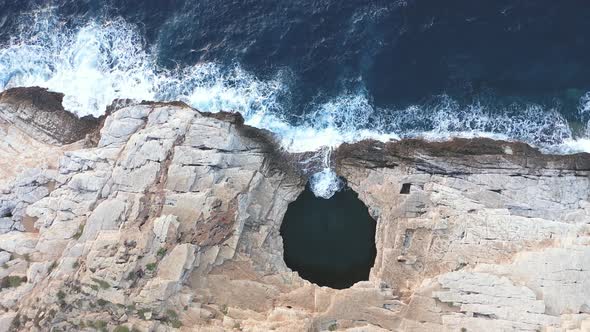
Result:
173,219
19,243
473,214
38,270
177,262
4,257
6,321
166,228
40,114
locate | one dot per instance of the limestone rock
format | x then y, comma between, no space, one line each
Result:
4,257
177,262
172,219
20,243
166,228
469,209
40,113
6,321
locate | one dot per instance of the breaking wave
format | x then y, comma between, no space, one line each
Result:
97,62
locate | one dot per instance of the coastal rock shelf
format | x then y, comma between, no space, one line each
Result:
159,217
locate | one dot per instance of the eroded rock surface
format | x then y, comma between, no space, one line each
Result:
41,115
477,234
171,222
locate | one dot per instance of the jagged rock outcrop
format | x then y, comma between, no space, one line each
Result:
171,222
41,115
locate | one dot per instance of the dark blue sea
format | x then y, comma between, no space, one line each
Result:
320,72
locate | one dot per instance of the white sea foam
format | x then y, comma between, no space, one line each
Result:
571,146
102,61
347,118
325,183
584,111
91,66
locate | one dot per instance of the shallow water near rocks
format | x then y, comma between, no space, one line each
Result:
330,242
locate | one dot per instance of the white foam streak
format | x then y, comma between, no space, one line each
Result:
325,183
347,118
571,146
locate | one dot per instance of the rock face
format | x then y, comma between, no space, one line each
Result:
477,234
172,222
41,115
31,148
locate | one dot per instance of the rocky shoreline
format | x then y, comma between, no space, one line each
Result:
158,217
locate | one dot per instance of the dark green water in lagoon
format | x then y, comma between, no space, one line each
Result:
330,242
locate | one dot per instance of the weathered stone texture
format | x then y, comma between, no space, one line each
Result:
172,222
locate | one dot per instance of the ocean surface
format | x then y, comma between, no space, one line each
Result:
319,73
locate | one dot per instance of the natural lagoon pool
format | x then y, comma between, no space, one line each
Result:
330,242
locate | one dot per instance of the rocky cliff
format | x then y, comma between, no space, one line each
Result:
169,219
